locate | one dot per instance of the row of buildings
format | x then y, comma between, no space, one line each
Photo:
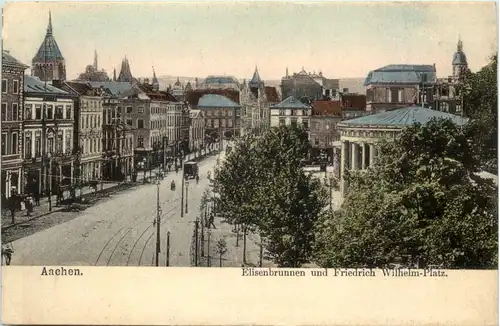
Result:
57,132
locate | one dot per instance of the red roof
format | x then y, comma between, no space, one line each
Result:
356,101
272,95
194,96
327,108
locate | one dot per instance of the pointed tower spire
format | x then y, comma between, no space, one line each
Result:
49,27
114,74
95,60
459,44
286,75
155,83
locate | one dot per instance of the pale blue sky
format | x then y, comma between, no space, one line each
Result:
197,39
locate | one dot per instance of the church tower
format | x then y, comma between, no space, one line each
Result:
255,84
155,83
96,68
48,63
125,74
459,62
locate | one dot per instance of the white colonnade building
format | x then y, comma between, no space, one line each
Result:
359,136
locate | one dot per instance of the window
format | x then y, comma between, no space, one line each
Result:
99,125
50,112
16,87
230,113
59,112
28,112
4,85
27,144
394,95
15,112
4,111
140,142
140,123
316,125
69,115
140,110
223,123
50,145
38,112
282,121
294,123
4,143
129,122
9,114
68,143
316,141
282,112
60,140
14,149
38,145
305,124
229,123
129,109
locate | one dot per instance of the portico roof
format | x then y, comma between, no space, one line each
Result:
401,118
290,103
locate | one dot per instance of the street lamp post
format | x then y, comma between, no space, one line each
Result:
187,185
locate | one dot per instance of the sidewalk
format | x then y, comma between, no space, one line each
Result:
42,210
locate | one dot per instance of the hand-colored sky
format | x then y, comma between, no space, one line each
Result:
198,39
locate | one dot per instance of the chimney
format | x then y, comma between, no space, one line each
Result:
57,83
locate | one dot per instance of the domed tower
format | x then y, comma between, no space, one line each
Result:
49,64
459,62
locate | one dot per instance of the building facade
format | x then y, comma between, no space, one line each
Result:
222,116
359,136
196,130
48,63
324,119
446,94
397,86
12,117
293,112
89,125
48,137
308,85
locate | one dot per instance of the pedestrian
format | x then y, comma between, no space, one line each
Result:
36,196
7,252
13,207
212,221
29,205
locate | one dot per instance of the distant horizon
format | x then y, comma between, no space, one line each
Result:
340,39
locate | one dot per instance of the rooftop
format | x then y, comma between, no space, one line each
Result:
401,74
402,117
333,108
216,101
49,50
35,85
290,103
9,60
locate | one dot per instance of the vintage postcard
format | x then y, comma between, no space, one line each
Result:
241,163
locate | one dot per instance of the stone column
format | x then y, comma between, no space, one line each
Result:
372,154
344,162
355,156
363,156
72,172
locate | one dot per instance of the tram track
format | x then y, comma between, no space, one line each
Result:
131,225
146,230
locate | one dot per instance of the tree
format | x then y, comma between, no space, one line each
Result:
221,249
262,188
422,201
234,181
480,103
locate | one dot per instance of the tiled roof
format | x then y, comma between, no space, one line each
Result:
291,103
401,74
35,85
76,88
49,50
7,59
216,101
272,94
404,117
354,101
194,96
256,81
115,88
327,108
